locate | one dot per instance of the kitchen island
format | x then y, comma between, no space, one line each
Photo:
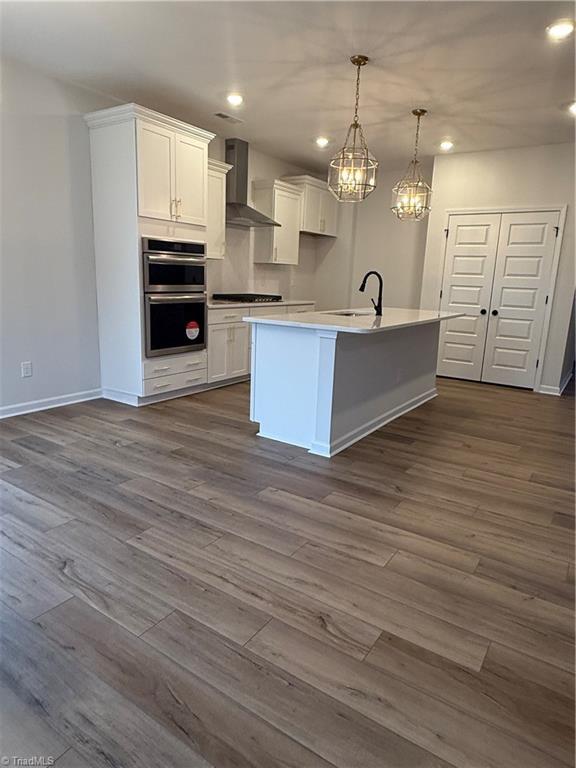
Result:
324,380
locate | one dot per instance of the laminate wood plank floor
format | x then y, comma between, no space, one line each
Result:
177,592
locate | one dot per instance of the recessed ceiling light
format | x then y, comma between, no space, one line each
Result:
446,145
572,108
322,141
561,29
234,99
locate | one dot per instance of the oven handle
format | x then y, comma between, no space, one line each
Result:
172,259
176,297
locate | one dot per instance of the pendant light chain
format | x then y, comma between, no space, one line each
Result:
417,139
357,93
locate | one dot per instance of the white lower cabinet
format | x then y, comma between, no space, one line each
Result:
161,384
228,351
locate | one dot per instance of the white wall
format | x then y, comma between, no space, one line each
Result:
392,247
238,272
47,274
529,176
48,290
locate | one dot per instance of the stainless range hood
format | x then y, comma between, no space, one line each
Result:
238,212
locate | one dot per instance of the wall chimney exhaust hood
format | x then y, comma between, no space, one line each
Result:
238,212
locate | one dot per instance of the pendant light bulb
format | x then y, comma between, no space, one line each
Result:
411,195
352,170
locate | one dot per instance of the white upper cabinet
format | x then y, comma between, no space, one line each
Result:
319,211
191,175
281,202
216,231
171,162
155,171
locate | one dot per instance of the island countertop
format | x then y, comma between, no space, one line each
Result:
359,321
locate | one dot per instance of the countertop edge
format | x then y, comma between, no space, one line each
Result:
312,326
252,304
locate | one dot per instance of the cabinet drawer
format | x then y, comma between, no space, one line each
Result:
175,381
301,308
264,311
166,366
227,315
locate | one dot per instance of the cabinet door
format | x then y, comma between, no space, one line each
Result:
216,229
329,214
521,284
218,352
311,209
239,353
287,236
191,179
467,287
155,151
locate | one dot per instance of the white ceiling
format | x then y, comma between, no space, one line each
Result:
486,71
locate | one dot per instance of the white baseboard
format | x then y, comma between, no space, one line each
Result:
19,409
546,389
138,401
371,426
331,449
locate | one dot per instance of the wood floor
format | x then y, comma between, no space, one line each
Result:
178,593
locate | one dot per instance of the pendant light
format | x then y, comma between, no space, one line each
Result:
411,196
352,171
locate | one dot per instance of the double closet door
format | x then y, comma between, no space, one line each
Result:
497,271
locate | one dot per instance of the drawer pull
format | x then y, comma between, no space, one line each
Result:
162,368
161,386
191,365
194,378
227,317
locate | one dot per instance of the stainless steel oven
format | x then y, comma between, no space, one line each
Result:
173,265
174,296
175,322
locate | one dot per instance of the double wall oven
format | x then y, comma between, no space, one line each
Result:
174,274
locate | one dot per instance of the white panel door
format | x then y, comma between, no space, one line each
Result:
239,353
218,352
287,235
191,180
216,229
467,286
329,214
155,151
521,281
311,208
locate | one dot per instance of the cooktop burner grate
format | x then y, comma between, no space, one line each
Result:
253,298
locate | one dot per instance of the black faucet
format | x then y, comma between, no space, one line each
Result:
378,304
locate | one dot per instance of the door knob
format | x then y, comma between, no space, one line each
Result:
483,311
494,312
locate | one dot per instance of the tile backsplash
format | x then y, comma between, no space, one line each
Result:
237,272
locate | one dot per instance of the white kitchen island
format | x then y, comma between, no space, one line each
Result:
324,380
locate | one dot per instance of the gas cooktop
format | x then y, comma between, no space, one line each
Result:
251,298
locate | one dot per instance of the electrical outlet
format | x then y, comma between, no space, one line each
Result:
26,369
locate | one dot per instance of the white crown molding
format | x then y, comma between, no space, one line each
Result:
127,112
218,165
277,184
306,179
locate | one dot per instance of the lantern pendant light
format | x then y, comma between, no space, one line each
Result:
352,171
411,196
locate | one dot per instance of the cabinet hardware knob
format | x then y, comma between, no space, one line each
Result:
494,312
483,311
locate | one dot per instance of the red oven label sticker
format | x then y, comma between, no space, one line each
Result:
192,330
